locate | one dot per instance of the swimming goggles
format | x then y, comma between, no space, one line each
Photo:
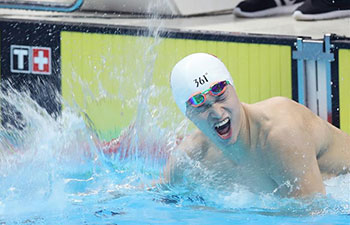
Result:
216,89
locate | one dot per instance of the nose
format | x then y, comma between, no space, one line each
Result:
215,111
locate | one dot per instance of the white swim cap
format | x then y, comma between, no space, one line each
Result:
195,73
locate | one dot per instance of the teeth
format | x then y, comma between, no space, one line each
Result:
222,123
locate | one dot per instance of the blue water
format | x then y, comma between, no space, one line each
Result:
52,172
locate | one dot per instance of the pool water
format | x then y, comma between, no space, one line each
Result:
53,172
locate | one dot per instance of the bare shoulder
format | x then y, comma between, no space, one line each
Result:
285,113
278,103
276,114
287,122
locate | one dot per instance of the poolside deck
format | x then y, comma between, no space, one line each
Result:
221,22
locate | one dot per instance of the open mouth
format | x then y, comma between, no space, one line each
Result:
223,128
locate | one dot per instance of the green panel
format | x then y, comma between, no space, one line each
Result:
105,75
344,87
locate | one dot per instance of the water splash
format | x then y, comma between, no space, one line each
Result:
56,164
50,162
35,158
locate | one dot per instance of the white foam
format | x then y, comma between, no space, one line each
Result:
339,188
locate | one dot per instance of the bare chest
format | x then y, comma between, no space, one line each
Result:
221,171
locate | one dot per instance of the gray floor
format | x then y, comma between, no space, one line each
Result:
224,22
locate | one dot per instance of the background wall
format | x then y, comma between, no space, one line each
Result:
344,89
107,76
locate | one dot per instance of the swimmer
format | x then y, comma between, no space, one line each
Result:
273,146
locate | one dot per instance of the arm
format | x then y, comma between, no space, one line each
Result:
173,171
193,148
293,163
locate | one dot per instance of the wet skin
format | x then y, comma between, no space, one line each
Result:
276,145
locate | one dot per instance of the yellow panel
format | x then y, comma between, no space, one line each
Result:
285,71
107,76
254,72
242,80
222,52
92,78
265,67
232,64
344,87
275,67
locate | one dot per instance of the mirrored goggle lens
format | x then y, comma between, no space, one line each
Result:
218,88
197,99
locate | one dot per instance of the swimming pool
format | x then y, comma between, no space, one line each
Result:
52,172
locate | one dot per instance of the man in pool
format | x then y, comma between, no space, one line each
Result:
274,146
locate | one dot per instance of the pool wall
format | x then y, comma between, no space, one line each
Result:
101,69
116,62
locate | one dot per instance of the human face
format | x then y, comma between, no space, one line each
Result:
218,117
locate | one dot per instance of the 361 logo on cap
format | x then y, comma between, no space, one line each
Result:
201,80
27,59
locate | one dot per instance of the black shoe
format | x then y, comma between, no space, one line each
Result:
262,8
322,10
